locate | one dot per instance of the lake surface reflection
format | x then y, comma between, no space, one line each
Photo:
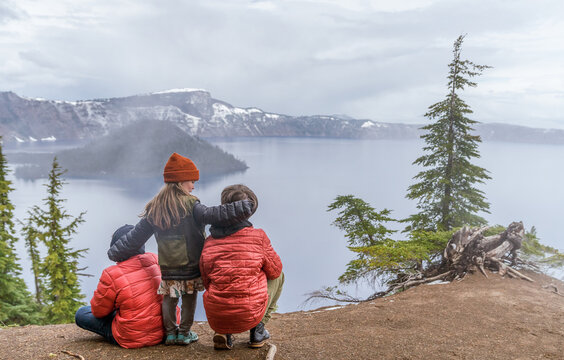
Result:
295,179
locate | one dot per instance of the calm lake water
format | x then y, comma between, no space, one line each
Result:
295,179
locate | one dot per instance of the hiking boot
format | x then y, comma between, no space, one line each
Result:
258,336
170,339
223,342
189,338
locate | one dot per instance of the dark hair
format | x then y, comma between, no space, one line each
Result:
121,231
239,192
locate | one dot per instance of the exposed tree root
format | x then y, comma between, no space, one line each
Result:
466,252
333,294
510,271
554,289
414,282
469,250
271,352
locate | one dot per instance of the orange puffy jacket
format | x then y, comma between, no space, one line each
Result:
130,288
234,271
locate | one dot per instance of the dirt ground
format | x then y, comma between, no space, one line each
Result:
477,318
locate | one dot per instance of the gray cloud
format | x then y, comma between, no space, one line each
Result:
299,57
9,11
37,58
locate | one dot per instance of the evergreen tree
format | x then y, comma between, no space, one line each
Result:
16,306
61,289
31,237
446,192
366,234
378,255
534,252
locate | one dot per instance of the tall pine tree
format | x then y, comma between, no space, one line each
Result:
61,289
31,238
16,306
446,192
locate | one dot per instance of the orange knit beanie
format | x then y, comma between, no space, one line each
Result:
179,168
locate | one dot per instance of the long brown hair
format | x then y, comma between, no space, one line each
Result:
168,207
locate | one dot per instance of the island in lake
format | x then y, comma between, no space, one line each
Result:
140,149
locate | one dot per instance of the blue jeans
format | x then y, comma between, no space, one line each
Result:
84,319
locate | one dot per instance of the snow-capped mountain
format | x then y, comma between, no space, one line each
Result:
197,113
194,111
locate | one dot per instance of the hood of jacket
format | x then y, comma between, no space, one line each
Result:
221,232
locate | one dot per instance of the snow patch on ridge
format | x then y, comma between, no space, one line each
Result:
221,111
239,111
370,123
187,122
171,91
253,112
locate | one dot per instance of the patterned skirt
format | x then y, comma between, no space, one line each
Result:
177,288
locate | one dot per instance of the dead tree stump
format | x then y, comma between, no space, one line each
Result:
469,250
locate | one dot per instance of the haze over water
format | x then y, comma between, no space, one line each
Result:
295,180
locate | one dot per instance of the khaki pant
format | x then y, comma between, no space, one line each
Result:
274,289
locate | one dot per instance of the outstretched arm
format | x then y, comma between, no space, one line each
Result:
223,215
128,244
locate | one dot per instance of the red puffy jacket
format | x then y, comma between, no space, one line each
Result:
130,288
234,271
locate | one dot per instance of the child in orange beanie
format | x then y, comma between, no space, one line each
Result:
177,220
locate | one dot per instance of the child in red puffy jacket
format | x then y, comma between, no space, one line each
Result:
125,308
242,275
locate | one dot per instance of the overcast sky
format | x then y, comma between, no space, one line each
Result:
382,60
